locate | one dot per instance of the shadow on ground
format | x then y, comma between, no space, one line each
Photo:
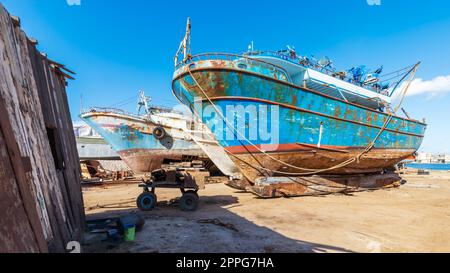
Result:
212,229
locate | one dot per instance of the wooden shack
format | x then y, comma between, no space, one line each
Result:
41,205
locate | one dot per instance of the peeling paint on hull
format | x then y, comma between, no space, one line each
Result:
348,128
132,138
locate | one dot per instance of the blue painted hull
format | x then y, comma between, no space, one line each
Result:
315,131
132,138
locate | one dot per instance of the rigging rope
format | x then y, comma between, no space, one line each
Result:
406,88
122,102
398,71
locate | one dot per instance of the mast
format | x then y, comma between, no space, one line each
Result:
185,45
143,102
187,39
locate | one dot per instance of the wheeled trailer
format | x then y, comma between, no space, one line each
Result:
188,180
147,200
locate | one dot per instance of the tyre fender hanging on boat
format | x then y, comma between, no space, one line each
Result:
159,132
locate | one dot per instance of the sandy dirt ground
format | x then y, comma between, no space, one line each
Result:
412,218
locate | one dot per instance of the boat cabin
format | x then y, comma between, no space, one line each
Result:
354,86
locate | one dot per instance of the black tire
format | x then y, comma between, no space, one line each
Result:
146,201
189,201
159,132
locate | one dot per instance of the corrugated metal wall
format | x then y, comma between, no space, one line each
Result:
40,175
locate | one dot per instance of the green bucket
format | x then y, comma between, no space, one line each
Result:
130,233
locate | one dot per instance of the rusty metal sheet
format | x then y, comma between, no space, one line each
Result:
274,187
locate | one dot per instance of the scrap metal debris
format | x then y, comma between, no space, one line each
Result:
114,170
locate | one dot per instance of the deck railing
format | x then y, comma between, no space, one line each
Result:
110,110
295,60
247,57
236,58
122,112
315,66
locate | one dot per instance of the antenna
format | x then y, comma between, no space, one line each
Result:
81,103
250,47
187,45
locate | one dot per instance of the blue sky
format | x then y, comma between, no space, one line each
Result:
118,47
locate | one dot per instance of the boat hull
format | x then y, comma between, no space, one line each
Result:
132,138
315,131
313,158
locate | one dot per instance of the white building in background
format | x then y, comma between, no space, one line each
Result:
81,129
440,158
424,158
447,158
433,158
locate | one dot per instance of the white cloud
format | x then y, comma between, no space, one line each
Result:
433,88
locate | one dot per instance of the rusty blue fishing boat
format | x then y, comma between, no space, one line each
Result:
329,122
146,141
140,142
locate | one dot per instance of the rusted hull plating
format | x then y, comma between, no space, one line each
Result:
316,131
315,158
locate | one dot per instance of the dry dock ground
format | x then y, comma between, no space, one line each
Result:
412,218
